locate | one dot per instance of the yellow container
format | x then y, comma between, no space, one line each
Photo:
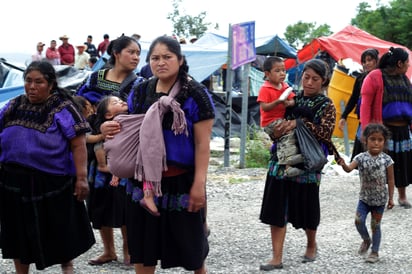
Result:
340,90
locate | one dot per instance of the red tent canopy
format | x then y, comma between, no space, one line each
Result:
350,42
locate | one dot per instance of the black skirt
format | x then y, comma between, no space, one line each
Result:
41,220
177,237
400,149
286,201
358,147
107,205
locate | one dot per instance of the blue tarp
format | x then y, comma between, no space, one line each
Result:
210,52
10,92
273,45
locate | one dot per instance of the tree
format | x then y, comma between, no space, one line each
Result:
187,25
301,33
391,23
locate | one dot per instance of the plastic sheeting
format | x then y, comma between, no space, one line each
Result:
70,77
13,84
10,92
253,117
210,52
10,75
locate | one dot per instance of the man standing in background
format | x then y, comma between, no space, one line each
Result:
91,48
82,57
101,49
38,56
52,54
66,51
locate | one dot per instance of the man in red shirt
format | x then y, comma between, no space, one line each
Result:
101,49
66,51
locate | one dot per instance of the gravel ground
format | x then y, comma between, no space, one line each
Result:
239,243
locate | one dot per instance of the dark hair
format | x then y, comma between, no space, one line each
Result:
49,73
321,68
101,110
269,61
117,45
89,36
106,36
373,53
391,58
93,60
174,46
376,128
46,69
80,102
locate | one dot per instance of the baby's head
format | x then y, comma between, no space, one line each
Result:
110,106
84,105
107,108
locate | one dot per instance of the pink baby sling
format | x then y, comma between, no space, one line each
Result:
138,150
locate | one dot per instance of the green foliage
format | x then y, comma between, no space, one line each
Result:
301,33
391,23
257,152
236,180
186,25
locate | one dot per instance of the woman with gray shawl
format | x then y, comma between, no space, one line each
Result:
107,208
177,237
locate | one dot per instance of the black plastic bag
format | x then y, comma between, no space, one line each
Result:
314,157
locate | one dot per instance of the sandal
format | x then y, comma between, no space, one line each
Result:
405,204
307,259
101,261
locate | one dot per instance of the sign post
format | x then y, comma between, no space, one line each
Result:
241,51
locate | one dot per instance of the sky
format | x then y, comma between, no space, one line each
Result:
25,23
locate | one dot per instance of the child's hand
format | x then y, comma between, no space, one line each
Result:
115,181
289,103
340,161
390,204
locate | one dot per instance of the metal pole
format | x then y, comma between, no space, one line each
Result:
345,130
245,111
228,111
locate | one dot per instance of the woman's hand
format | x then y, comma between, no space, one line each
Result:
342,123
109,129
197,198
81,189
283,128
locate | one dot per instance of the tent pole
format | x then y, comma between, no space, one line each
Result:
228,112
245,111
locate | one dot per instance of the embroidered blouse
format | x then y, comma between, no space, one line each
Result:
38,136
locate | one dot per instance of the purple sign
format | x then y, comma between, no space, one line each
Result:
243,46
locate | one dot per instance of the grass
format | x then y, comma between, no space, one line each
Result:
257,153
236,180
